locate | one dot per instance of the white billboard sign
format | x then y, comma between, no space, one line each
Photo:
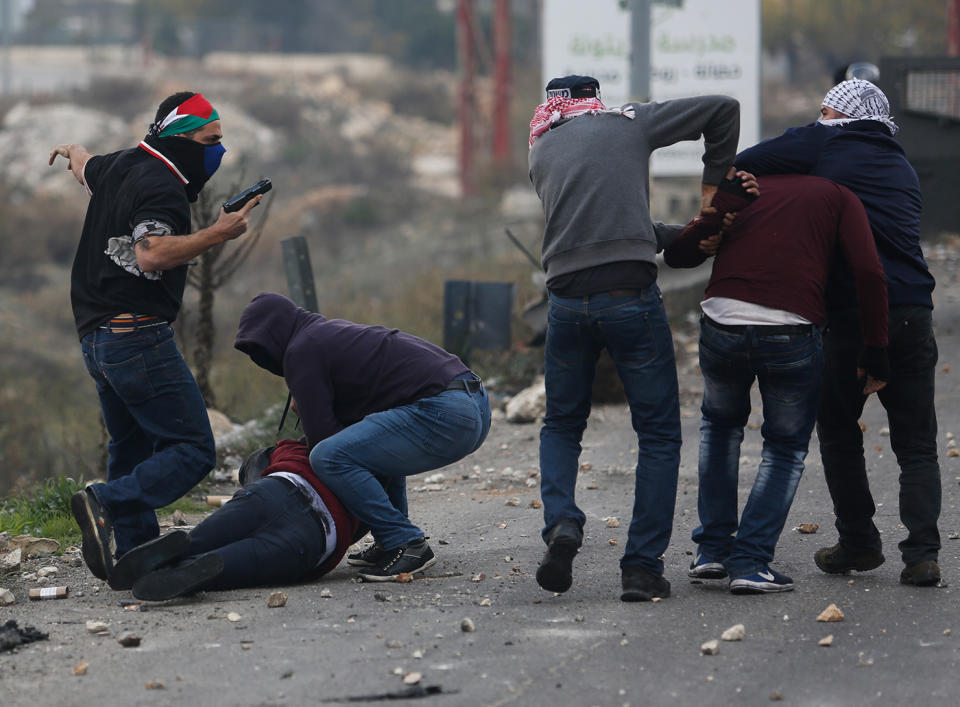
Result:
697,47
591,39
705,47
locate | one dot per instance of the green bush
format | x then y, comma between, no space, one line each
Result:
45,512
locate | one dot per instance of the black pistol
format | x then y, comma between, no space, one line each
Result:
238,202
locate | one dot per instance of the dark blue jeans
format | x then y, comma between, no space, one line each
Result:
366,464
909,402
160,445
266,534
635,331
788,368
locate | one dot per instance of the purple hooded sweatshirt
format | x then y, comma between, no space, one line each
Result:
337,371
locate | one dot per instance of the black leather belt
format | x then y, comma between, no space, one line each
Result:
471,386
625,293
761,328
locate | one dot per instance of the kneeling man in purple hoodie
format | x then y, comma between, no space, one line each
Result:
377,405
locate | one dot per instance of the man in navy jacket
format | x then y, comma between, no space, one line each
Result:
853,145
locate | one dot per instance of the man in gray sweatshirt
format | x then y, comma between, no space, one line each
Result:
590,167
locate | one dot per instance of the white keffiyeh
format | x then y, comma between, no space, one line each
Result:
859,100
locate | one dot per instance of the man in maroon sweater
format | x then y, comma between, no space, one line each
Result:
762,314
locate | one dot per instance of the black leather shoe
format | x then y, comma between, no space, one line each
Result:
640,584
555,573
171,582
838,559
922,574
97,531
148,557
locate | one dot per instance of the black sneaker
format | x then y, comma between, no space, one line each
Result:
555,573
406,559
369,557
640,584
921,574
839,560
171,582
97,532
148,557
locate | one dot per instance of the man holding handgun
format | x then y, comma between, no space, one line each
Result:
126,288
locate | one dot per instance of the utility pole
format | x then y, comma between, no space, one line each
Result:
953,28
465,103
501,84
6,18
640,50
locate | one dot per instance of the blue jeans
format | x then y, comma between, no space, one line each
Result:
161,444
267,534
366,464
788,368
635,331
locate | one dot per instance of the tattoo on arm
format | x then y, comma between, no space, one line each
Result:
143,243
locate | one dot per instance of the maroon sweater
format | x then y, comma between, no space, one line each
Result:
779,250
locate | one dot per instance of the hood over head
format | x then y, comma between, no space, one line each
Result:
266,326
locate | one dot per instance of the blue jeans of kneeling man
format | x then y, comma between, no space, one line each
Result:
788,368
366,464
635,332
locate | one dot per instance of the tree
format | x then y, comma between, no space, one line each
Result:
214,269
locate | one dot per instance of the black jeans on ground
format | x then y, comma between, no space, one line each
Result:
266,534
908,399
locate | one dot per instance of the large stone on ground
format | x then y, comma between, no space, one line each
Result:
529,404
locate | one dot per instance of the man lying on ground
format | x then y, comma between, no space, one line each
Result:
283,526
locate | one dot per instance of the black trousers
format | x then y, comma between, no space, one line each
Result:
267,535
908,400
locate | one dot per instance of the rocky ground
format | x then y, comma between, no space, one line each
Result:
478,630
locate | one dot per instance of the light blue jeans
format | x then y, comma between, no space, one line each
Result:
366,464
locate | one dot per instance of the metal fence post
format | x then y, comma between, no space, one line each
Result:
296,263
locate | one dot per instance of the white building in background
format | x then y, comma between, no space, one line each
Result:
696,47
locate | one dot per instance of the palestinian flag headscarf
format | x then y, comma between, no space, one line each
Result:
192,162
193,113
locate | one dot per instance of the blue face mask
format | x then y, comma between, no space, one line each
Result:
212,154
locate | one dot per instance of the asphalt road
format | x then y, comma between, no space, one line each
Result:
897,645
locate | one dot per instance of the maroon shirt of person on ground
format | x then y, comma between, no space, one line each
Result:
780,247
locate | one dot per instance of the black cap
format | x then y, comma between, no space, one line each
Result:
574,87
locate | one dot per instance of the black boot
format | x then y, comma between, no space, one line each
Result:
148,557
555,573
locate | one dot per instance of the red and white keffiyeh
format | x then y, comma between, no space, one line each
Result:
557,108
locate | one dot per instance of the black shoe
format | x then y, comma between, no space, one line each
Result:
922,574
148,557
640,584
97,531
406,559
370,557
555,573
838,559
171,582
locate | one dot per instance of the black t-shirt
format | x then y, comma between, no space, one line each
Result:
127,189
622,275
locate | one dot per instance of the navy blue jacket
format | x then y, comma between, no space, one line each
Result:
865,158
337,371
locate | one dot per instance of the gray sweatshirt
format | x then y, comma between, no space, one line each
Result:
592,174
